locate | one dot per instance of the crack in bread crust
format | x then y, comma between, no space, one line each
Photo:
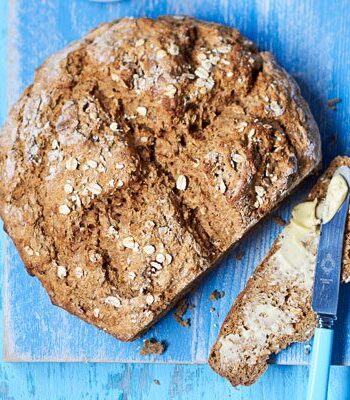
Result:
133,148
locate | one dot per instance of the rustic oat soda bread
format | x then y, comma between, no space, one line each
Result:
139,155
274,309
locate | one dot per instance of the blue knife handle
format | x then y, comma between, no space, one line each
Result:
320,364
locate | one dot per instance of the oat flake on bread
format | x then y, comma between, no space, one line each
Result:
91,153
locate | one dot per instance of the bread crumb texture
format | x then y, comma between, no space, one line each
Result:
274,309
152,346
139,155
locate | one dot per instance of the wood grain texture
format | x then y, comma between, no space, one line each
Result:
310,39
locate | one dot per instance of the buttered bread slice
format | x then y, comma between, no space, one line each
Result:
274,309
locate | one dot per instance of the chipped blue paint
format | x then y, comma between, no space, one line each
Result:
312,41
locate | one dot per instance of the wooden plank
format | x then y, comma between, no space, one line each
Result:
311,42
43,381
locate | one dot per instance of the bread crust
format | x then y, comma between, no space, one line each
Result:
285,295
140,154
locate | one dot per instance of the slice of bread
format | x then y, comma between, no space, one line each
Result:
274,309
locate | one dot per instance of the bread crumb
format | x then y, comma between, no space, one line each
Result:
307,349
156,381
279,220
181,310
216,295
332,103
239,254
152,346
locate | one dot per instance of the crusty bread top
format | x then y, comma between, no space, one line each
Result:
141,153
269,314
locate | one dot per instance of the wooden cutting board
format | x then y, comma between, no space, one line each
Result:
35,330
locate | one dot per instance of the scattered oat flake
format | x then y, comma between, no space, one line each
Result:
149,249
229,74
29,250
276,108
222,186
142,111
156,265
76,199
163,230
120,183
201,73
113,301
132,275
189,76
61,271
216,295
207,65
79,273
170,90
128,242
111,183
140,42
114,126
173,49
68,188
54,144
260,191
112,231
95,257
160,258
152,346
241,125
237,158
160,54
72,164
224,49
96,312
92,163
181,182
200,82
119,166
64,209
101,168
94,188
150,224
251,133
210,83
168,258
149,299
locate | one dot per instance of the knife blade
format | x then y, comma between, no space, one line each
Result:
329,259
326,291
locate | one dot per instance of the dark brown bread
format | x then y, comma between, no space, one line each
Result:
139,155
268,315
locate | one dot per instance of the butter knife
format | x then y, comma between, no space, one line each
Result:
326,293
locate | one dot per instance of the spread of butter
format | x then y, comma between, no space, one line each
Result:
294,261
336,193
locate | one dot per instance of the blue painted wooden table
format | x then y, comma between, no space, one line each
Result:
311,39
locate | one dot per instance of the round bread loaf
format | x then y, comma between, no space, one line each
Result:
140,155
